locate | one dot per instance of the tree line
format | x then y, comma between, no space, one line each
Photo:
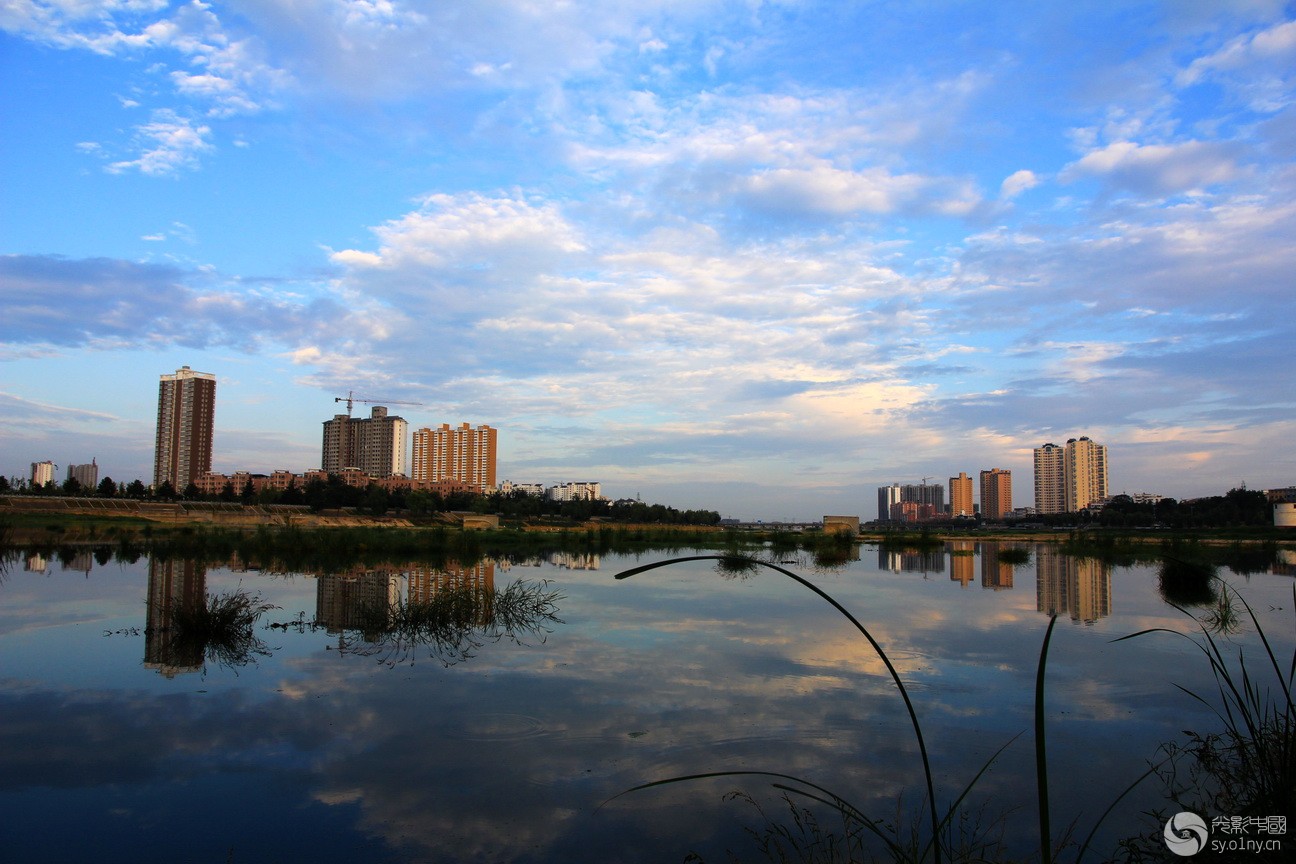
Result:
334,494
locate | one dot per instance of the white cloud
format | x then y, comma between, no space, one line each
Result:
1259,65
168,144
1159,169
1018,182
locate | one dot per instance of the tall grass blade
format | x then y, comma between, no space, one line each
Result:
1041,757
895,675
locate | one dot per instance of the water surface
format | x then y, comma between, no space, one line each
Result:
116,747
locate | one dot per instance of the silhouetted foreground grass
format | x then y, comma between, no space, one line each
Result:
1247,769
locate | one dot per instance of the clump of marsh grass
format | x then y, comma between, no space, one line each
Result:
1014,555
1248,768
1186,580
455,622
220,628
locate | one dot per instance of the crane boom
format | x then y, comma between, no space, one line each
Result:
351,398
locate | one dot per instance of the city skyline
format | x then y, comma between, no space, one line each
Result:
757,258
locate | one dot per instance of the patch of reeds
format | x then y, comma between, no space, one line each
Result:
940,831
1248,768
1014,555
220,629
1186,579
454,622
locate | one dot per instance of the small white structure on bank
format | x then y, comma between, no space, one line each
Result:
1285,514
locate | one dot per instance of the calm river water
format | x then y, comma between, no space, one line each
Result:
114,746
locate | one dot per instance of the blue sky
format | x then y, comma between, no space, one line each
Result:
753,256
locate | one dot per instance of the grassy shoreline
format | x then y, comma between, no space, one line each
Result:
43,528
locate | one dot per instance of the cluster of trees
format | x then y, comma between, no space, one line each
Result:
1235,509
375,500
519,505
107,488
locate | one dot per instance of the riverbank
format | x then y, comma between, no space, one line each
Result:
289,540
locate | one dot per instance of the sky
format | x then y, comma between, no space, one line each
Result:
756,257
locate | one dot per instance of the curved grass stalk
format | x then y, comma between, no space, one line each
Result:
824,796
1041,758
895,675
1260,725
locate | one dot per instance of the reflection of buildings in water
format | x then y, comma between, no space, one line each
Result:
962,558
911,560
575,560
346,601
81,562
425,582
36,564
172,586
995,574
1286,563
1066,585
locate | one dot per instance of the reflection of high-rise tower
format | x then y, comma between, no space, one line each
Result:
995,574
961,556
575,560
426,582
1066,585
911,560
349,601
173,586
186,407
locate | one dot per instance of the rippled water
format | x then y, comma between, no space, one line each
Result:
114,746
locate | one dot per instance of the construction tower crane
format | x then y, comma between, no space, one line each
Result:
351,398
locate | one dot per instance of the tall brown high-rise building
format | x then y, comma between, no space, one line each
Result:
960,489
186,409
996,493
462,453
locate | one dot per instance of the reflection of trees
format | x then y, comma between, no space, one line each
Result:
452,611
1067,585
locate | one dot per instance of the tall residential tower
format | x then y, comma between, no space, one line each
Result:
1050,479
960,489
1086,473
1069,479
374,444
462,453
186,409
996,493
